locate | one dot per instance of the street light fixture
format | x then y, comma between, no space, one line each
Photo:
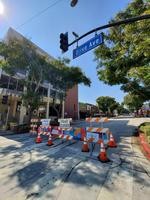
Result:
73,3
75,34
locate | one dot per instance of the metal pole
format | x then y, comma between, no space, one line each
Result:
126,21
63,110
48,100
7,116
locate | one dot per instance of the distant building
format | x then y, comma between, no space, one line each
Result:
87,110
11,90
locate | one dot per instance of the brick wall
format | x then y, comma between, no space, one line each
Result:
71,103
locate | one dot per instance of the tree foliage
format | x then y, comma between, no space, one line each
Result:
107,104
132,102
22,55
124,58
64,78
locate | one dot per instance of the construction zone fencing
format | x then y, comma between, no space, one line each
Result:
89,135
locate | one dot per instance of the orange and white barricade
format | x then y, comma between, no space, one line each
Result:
34,125
66,137
96,119
94,134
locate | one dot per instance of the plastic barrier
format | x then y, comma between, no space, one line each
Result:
34,125
96,119
97,134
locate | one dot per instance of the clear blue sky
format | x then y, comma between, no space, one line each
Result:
45,29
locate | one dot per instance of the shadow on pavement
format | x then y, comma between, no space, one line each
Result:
66,166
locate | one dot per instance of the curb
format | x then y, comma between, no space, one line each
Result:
144,145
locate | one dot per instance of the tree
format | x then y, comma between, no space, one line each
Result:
22,55
65,78
124,58
107,104
133,102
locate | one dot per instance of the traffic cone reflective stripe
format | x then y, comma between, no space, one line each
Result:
112,142
38,139
49,143
102,155
85,147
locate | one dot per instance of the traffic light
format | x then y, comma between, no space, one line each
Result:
5,99
73,3
64,42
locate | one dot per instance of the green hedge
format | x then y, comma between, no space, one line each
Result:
145,127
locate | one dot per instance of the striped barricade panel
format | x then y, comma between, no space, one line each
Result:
94,129
97,129
45,130
66,137
34,120
96,119
67,129
33,128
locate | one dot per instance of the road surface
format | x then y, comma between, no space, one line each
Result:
30,171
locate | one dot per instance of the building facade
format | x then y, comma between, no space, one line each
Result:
11,90
88,110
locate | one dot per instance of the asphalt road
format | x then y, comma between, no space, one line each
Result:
62,172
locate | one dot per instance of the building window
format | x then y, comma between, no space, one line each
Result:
4,81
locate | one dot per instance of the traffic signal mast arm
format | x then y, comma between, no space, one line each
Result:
126,21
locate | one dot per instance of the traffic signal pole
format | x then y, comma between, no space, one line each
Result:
126,21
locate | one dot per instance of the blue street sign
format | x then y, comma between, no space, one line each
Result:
87,46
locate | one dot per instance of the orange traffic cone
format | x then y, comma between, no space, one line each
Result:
50,143
112,142
38,139
85,147
102,155
83,133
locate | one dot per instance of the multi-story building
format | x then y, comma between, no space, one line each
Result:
11,90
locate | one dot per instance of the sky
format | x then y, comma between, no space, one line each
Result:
60,17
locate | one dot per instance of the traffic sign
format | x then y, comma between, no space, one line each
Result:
45,122
95,136
64,123
87,46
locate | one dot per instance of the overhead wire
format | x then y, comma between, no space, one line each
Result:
38,14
